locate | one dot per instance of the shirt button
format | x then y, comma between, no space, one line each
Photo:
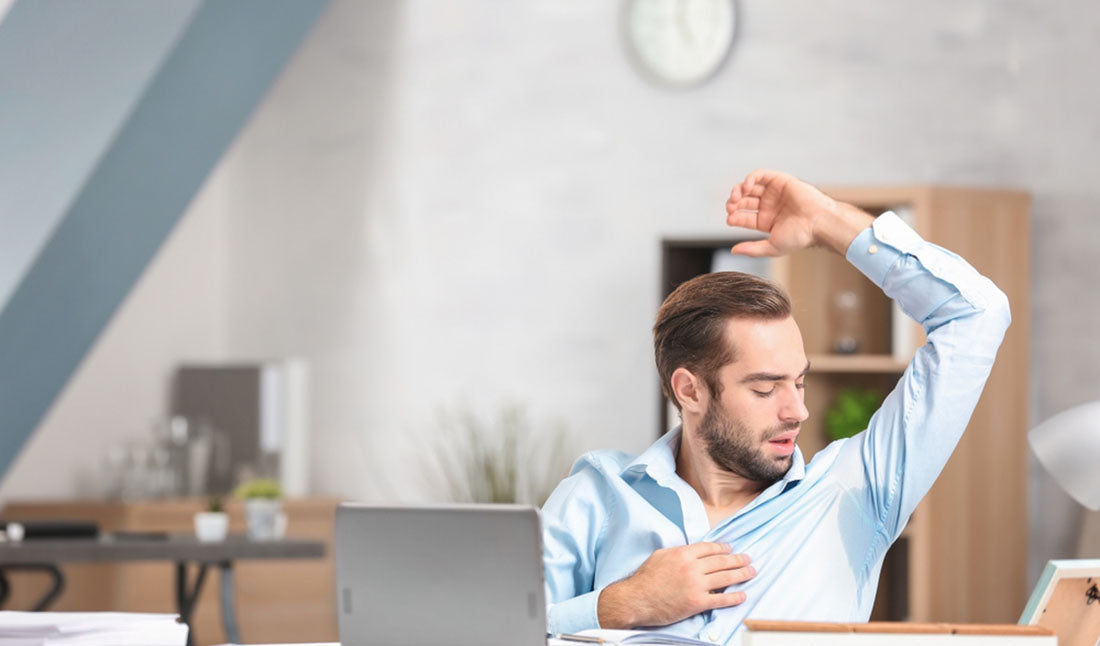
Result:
872,249
713,635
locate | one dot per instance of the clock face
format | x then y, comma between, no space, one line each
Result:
680,42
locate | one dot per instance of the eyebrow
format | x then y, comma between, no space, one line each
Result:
771,376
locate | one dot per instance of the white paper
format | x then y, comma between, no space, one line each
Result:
90,629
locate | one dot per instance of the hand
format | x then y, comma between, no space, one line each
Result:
794,214
675,583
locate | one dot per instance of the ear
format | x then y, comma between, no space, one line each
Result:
690,391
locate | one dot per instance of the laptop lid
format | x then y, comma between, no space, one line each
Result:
454,575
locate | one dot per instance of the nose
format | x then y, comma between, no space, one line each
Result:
794,407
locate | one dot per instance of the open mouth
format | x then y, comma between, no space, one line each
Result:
784,443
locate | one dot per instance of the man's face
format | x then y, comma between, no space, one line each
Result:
750,429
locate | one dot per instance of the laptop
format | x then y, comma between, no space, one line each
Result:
454,575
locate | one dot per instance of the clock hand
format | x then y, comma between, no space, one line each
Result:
681,21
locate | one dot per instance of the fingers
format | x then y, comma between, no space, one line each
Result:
725,562
755,248
760,178
703,550
726,578
755,183
678,582
745,192
725,599
743,210
744,218
753,186
744,203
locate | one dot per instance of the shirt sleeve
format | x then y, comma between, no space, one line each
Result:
573,519
964,316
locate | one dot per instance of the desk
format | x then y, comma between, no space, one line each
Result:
184,551
290,600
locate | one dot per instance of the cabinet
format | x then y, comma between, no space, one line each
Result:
290,600
963,556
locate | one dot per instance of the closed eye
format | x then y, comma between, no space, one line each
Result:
769,393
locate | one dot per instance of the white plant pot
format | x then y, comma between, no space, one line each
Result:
265,519
211,526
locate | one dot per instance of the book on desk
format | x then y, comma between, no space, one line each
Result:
806,633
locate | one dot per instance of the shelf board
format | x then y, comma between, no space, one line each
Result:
842,363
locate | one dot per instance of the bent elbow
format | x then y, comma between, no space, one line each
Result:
991,323
999,310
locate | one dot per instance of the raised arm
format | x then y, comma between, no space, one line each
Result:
909,440
964,316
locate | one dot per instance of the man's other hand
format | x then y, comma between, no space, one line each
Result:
673,584
794,214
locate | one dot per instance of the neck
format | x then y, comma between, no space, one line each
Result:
723,493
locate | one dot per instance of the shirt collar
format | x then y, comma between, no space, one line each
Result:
659,460
798,468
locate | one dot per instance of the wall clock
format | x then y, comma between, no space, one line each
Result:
679,42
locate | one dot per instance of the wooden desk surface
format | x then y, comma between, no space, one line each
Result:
175,547
285,599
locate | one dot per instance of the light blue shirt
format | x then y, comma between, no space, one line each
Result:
817,537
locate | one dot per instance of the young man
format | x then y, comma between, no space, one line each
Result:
721,519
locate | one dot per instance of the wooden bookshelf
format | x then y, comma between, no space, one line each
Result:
963,556
856,363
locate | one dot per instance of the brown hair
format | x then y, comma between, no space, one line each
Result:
691,324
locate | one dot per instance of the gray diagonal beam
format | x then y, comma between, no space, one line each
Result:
224,63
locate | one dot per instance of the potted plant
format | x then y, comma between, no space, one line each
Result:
263,509
212,525
851,412
506,459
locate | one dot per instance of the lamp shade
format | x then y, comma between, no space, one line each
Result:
1068,446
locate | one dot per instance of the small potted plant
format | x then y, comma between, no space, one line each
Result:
263,509
851,412
212,525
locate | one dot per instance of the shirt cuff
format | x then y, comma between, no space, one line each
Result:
878,247
574,615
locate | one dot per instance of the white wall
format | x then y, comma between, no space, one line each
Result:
461,202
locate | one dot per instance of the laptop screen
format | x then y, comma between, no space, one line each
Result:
461,575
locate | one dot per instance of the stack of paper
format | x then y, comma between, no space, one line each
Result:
90,629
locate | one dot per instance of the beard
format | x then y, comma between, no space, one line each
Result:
737,449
